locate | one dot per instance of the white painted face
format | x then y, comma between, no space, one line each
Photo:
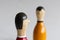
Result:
22,32
25,23
40,14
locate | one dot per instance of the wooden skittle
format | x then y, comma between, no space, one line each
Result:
21,23
39,32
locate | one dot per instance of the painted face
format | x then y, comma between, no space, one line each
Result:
40,12
20,17
25,23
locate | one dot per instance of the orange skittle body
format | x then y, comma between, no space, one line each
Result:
39,32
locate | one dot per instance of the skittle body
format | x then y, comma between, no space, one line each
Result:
40,30
21,23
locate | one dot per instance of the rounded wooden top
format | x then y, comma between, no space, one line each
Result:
19,18
40,13
39,8
21,22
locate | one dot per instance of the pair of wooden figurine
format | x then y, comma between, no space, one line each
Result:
21,22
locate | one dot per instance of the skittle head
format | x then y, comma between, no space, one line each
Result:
21,20
40,12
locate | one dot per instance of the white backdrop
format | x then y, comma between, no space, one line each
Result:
9,8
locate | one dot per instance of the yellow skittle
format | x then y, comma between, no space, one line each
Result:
39,32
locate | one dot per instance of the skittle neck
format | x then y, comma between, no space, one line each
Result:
40,21
21,33
21,36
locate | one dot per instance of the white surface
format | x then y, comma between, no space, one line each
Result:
9,8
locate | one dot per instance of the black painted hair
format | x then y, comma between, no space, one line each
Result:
19,19
39,8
